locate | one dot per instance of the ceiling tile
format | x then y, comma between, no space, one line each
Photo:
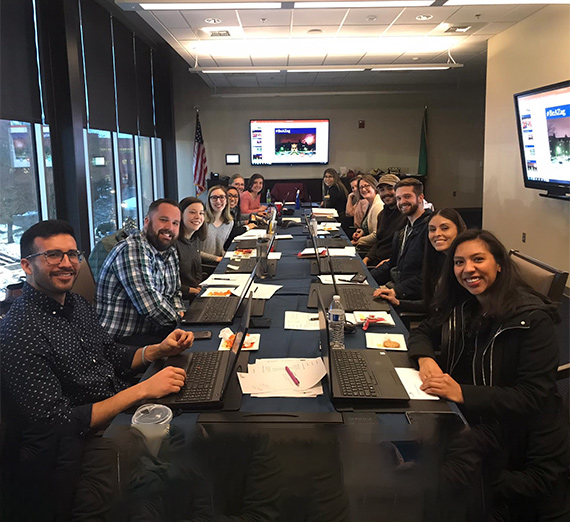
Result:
206,61
219,80
184,34
318,17
495,28
274,17
351,59
307,60
439,14
269,61
371,58
422,58
410,29
272,80
234,62
478,13
384,16
266,32
302,31
242,80
301,78
519,13
362,30
197,18
171,19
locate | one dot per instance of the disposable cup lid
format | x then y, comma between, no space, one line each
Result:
152,414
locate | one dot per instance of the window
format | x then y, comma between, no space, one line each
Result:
145,178
103,199
127,181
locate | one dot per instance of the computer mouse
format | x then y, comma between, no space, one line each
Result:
349,328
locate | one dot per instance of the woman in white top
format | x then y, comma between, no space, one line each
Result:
220,224
365,236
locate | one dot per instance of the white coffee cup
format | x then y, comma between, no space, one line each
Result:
153,421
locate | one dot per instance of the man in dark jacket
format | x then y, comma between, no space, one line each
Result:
390,221
403,272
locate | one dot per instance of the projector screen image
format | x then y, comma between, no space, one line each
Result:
289,142
543,117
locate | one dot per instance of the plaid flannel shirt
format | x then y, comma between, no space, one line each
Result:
139,288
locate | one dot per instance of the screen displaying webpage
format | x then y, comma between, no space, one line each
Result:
544,124
289,142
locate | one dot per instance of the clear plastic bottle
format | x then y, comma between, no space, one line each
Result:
336,323
313,226
297,201
268,197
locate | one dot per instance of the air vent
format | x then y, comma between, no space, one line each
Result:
458,29
219,34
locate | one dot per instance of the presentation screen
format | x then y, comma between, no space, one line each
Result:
543,119
289,142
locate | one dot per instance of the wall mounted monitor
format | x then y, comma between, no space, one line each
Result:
543,121
232,159
289,142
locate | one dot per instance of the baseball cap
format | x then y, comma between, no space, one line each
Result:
388,179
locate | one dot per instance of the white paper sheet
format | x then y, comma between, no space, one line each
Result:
274,255
343,252
386,318
301,321
225,280
345,279
411,380
376,341
329,212
283,236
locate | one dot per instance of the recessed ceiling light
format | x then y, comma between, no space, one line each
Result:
213,21
315,31
424,17
415,58
370,18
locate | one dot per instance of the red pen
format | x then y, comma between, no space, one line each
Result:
292,375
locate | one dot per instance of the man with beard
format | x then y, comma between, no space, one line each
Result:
403,272
138,294
390,220
63,380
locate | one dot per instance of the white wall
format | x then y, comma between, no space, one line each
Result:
533,53
390,138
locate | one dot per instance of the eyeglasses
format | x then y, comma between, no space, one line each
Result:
233,196
215,198
55,257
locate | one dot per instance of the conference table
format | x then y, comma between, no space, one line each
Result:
300,459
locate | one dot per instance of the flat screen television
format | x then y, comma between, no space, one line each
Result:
543,121
289,142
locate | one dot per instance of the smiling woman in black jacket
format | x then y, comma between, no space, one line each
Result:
490,347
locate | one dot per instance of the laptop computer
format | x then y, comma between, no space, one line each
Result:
219,310
358,378
342,265
246,265
210,376
352,297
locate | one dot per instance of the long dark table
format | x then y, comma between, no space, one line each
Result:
298,459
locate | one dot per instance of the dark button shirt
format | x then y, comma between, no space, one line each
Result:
57,360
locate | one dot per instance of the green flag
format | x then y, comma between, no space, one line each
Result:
423,161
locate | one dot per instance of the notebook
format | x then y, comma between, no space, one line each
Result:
358,378
352,297
209,375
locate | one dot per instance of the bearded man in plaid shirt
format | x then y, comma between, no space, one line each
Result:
138,294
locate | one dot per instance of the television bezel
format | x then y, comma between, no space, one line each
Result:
304,164
554,189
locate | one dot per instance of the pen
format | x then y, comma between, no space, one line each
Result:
222,278
314,319
290,373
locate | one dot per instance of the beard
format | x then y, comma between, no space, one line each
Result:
159,241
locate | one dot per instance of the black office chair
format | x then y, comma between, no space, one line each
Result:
545,279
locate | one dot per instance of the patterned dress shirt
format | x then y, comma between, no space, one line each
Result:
57,360
139,289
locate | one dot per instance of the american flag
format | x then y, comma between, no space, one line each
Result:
199,163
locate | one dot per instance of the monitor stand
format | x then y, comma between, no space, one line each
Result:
556,194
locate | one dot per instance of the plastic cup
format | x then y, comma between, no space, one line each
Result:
153,421
279,206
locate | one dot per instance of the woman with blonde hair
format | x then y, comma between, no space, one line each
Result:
365,236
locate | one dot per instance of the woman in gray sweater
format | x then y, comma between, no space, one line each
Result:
220,224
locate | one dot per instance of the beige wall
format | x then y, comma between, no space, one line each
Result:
533,53
390,138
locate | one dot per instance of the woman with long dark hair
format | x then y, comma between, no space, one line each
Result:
334,192
443,227
490,347
192,230
240,226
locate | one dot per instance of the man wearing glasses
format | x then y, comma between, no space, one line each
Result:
138,295
63,378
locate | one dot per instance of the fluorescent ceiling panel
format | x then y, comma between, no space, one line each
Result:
503,2
211,6
355,5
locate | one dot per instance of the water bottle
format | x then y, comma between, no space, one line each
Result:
336,323
313,226
268,197
297,201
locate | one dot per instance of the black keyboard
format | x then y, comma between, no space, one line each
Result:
353,374
354,299
218,309
202,374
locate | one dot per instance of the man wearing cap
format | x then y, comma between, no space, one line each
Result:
390,220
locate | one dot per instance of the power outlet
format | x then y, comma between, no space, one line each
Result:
524,237
454,193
